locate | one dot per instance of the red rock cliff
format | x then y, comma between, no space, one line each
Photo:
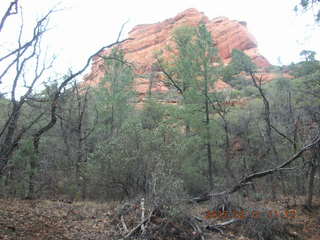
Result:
149,38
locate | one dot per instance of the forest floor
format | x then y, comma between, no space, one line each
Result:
45,219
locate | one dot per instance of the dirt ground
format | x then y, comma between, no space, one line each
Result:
45,219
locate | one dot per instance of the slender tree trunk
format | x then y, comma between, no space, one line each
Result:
270,143
208,135
227,150
311,185
33,169
314,166
112,121
33,166
210,165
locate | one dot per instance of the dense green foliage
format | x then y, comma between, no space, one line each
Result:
106,146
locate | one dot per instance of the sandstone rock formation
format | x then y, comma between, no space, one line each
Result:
149,38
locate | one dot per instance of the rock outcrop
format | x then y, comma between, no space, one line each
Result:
149,38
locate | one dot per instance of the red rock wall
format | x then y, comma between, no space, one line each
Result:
149,38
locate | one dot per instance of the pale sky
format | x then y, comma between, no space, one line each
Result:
85,26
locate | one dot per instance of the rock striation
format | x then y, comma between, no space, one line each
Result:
150,38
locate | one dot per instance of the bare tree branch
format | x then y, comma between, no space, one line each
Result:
121,30
12,9
170,78
52,122
282,134
25,56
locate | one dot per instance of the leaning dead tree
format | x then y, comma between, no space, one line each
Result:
249,178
